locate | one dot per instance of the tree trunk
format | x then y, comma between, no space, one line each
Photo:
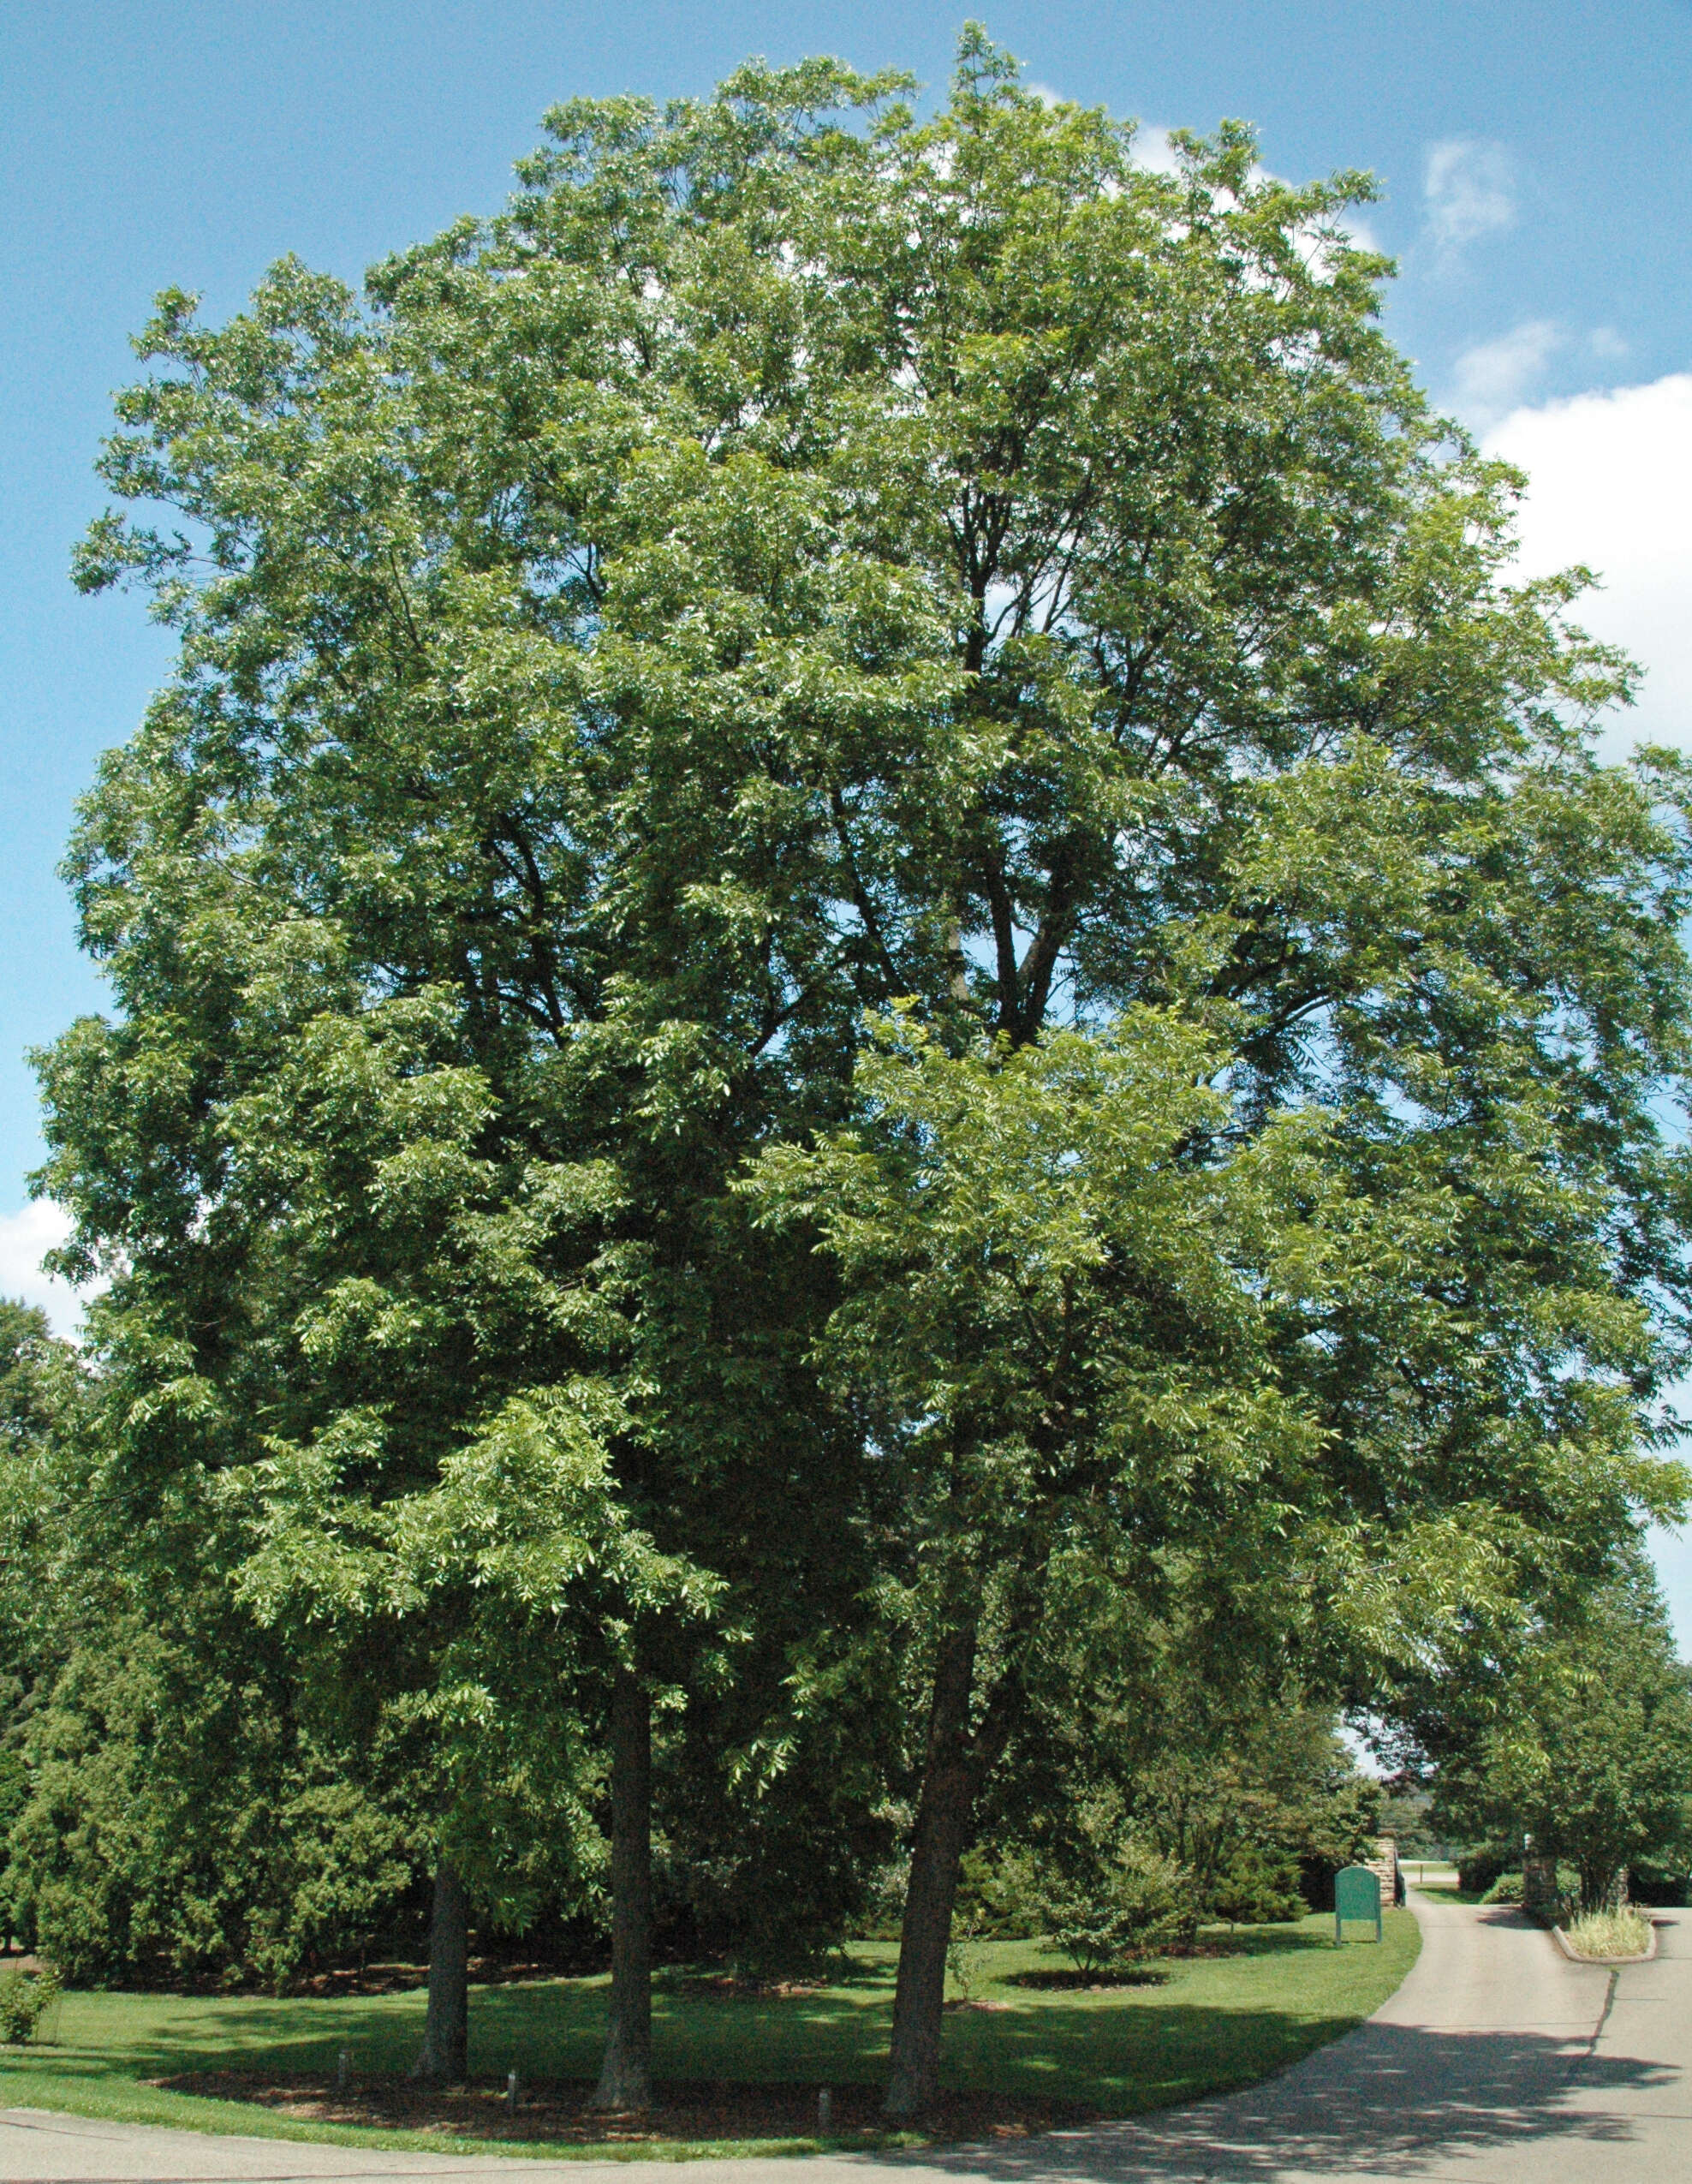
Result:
1603,1885
625,2079
946,1814
445,2059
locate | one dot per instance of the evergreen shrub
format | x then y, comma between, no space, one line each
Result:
1257,1886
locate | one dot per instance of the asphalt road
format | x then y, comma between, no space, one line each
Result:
1496,2062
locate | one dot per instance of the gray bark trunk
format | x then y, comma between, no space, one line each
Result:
945,1816
625,2077
445,2059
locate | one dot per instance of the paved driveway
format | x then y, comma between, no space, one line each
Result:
1496,2062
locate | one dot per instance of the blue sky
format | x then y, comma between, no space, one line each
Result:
1538,198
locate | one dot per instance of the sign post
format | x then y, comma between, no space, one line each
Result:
1357,1894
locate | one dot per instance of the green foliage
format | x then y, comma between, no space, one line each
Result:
1171,1715
1478,1868
998,1893
1230,1789
187,1816
772,1886
1250,1795
37,1375
1589,1750
1256,1886
26,1998
1660,1880
1127,1906
967,1958
1404,1816
42,1591
181,1796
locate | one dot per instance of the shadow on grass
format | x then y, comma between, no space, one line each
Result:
1111,2061
1050,2046
551,2029
1124,2062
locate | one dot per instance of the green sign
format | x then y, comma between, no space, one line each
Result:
1357,1894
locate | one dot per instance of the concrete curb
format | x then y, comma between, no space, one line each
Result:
1640,1957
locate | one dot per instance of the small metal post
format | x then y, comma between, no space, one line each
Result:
344,2063
512,2091
825,2109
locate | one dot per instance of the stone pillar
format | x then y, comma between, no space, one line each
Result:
1383,1863
1538,1885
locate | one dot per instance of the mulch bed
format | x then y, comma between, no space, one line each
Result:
1085,1982
556,2112
729,1986
402,1978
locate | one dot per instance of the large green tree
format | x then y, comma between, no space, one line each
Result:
468,928
800,558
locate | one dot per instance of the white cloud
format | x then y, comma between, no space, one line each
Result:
1610,483
1468,187
1491,378
24,1238
1153,149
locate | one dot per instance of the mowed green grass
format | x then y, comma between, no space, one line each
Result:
1211,2023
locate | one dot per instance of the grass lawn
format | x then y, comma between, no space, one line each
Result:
1210,2022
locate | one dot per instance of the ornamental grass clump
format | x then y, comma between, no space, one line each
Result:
1622,1932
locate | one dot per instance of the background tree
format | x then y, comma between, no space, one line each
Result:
1588,1753
41,1391
1172,1716
1212,1754
179,1799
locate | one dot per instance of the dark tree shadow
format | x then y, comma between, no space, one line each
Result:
1386,2100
